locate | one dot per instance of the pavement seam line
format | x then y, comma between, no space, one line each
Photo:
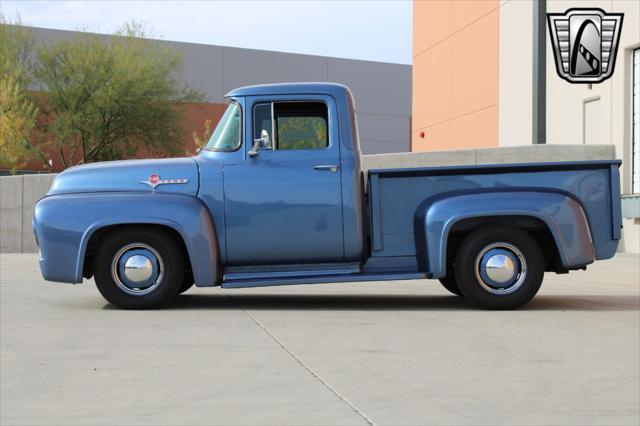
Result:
303,364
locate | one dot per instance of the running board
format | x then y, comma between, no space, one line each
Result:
284,271
320,279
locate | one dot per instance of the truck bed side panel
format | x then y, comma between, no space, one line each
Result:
396,195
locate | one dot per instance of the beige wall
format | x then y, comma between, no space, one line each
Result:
455,74
565,101
472,82
516,72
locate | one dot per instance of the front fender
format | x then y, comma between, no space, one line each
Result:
64,224
563,216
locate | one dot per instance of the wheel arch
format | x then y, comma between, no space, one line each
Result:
202,262
96,237
562,216
65,224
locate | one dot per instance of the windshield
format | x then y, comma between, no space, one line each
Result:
227,135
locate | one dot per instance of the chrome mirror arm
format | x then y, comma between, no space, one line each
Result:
263,140
254,149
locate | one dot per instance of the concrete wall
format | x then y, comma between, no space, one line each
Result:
18,194
382,90
463,157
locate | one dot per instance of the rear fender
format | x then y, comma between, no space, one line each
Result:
64,225
563,216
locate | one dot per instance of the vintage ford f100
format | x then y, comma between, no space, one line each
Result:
278,197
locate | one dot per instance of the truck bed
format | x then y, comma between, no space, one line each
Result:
395,195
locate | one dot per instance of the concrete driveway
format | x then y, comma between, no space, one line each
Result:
339,354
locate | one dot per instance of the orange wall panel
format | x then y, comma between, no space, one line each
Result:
474,66
431,96
476,130
466,12
455,74
436,138
431,23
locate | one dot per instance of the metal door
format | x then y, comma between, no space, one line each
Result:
285,206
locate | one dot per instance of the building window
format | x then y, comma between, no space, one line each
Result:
635,124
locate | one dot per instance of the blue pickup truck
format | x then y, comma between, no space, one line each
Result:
278,196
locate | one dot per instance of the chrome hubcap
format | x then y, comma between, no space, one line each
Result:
137,269
501,268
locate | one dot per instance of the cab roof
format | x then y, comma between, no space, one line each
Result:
333,89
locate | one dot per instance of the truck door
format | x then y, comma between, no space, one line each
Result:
283,204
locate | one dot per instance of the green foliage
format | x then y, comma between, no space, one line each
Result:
106,99
101,98
302,133
17,120
18,113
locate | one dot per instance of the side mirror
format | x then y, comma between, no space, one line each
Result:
262,142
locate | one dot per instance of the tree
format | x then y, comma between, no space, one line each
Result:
18,113
17,120
107,98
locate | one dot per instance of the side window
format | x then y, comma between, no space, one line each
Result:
301,125
298,125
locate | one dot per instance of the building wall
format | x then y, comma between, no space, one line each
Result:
382,90
516,73
455,74
565,107
565,102
496,95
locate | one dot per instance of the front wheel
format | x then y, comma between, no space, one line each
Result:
499,268
449,282
139,268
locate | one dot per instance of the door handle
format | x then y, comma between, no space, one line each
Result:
331,167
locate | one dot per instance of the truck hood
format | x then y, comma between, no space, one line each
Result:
178,175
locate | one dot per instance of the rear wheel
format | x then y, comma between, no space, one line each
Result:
139,268
499,268
187,282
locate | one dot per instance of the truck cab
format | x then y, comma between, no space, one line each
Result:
292,176
278,196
